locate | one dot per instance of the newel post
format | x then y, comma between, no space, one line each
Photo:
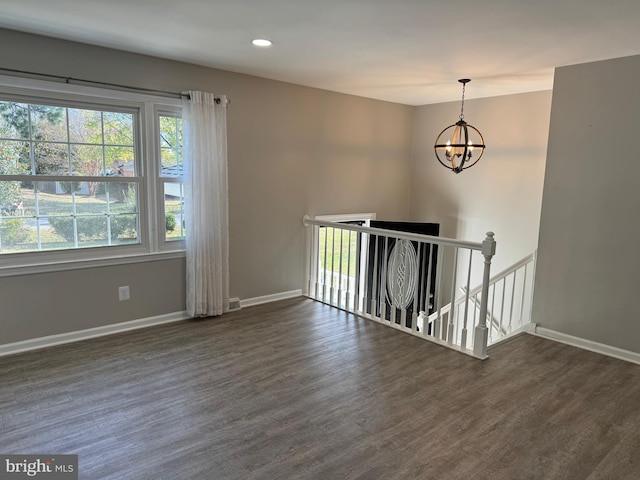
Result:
482,333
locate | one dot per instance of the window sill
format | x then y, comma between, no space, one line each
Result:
89,263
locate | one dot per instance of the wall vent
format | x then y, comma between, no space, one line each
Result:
234,304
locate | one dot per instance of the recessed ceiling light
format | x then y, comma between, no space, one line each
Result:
262,42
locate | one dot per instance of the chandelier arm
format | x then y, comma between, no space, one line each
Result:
465,152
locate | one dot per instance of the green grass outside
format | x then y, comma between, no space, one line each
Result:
51,203
336,256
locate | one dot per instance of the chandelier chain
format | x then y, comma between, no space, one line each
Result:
464,84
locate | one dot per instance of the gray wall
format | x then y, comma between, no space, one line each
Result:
292,150
587,273
503,192
46,304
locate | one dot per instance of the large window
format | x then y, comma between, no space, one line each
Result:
42,149
88,171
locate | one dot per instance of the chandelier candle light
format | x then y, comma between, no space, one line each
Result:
464,144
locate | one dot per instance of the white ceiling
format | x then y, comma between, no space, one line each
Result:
405,51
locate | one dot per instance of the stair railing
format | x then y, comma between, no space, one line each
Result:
509,300
391,277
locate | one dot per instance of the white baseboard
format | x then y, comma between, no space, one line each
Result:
62,338
592,346
527,328
248,302
59,339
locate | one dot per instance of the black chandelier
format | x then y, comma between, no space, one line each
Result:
459,146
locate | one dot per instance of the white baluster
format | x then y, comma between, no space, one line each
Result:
416,300
333,271
374,292
427,294
524,290
339,302
513,296
439,323
453,298
324,280
383,282
347,295
463,338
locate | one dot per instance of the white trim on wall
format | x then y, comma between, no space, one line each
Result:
62,338
76,336
589,345
249,302
80,264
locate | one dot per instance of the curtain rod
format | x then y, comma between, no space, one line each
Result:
106,84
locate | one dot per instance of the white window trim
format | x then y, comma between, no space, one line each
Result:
80,264
151,248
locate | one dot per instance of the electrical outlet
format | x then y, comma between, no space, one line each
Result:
123,293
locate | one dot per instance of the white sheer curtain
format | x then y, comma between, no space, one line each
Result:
206,205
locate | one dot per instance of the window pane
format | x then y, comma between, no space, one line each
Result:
14,120
46,198
14,225
10,198
123,197
170,132
92,231
14,158
170,146
51,158
118,128
85,126
89,198
169,162
14,234
124,229
87,160
48,123
27,197
54,232
174,211
119,161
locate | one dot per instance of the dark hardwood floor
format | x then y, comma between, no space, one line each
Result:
298,390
